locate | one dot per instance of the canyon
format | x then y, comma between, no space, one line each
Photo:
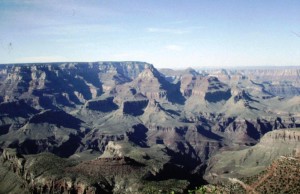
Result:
127,127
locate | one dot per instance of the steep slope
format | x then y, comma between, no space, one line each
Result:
205,94
153,85
54,131
282,176
252,160
45,173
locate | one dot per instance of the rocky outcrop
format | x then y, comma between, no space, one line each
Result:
108,167
102,105
277,81
252,160
134,108
64,84
284,89
151,84
207,88
243,95
26,169
287,135
99,142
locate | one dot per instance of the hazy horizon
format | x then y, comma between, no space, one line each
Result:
168,34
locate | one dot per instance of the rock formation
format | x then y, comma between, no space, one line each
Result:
162,126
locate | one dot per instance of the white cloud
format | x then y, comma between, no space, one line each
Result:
174,47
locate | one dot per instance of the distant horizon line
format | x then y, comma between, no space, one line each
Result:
158,67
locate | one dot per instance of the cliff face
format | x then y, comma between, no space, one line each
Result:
64,84
288,135
276,74
207,88
252,160
277,81
135,108
154,86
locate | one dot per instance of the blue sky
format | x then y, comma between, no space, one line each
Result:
166,33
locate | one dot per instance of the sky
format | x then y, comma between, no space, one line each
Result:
166,33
